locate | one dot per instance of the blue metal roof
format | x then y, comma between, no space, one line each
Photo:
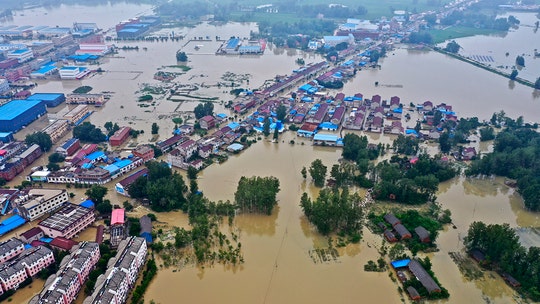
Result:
129,30
95,155
68,143
325,137
112,168
11,223
122,163
21,51
45,96
233,125
16,107
46,69
328,125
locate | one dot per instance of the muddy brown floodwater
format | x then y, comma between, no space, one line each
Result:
276,248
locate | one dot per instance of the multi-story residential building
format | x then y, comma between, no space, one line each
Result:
114,285
90,99
62,40
188,148
57,129
120,136
26,265
10,249
76,114
68,221
64,286
36,202
145,152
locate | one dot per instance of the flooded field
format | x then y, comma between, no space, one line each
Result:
277,249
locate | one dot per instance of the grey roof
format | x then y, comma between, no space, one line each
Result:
422,232
413,293
421,274
65,217
146,224
391,219
9,245
402,231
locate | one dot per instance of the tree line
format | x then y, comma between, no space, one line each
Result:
515,155
503,252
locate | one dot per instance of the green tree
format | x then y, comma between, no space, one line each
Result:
334,211
520,60
138,188
88,132
513,75
203,109
53,167
105,207
42,139
155,128
192,173
276,134
257,194
318,173
444,142
266,127
96,193
304,172
181,56
281,113
487,133
452,47
56,158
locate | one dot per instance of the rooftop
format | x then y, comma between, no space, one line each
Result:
117,217
14,108
65,217
45,96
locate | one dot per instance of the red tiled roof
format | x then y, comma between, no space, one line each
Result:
63,243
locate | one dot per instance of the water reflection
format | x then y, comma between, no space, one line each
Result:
258,224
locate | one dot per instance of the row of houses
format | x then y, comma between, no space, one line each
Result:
398,228
64,286
115,284
87,165
22,263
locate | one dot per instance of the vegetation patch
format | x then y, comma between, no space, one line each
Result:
82,90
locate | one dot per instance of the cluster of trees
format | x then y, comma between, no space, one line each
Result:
148,274
420,37
257,194
42,139
279,30
164,189
111,128
408,183
452,47
334,211
317,171
515,155
54,159
455,133
181,56
89,133
478,20
407,145
97,194
502,249
204,109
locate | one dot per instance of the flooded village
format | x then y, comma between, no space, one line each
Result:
283,114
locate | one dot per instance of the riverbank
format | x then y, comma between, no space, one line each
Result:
483,66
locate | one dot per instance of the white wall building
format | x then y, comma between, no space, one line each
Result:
73,72
22,55
37,202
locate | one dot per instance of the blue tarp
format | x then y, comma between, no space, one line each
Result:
400,263
87,204
147,236
46,239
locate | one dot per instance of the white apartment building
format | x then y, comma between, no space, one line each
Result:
37,202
